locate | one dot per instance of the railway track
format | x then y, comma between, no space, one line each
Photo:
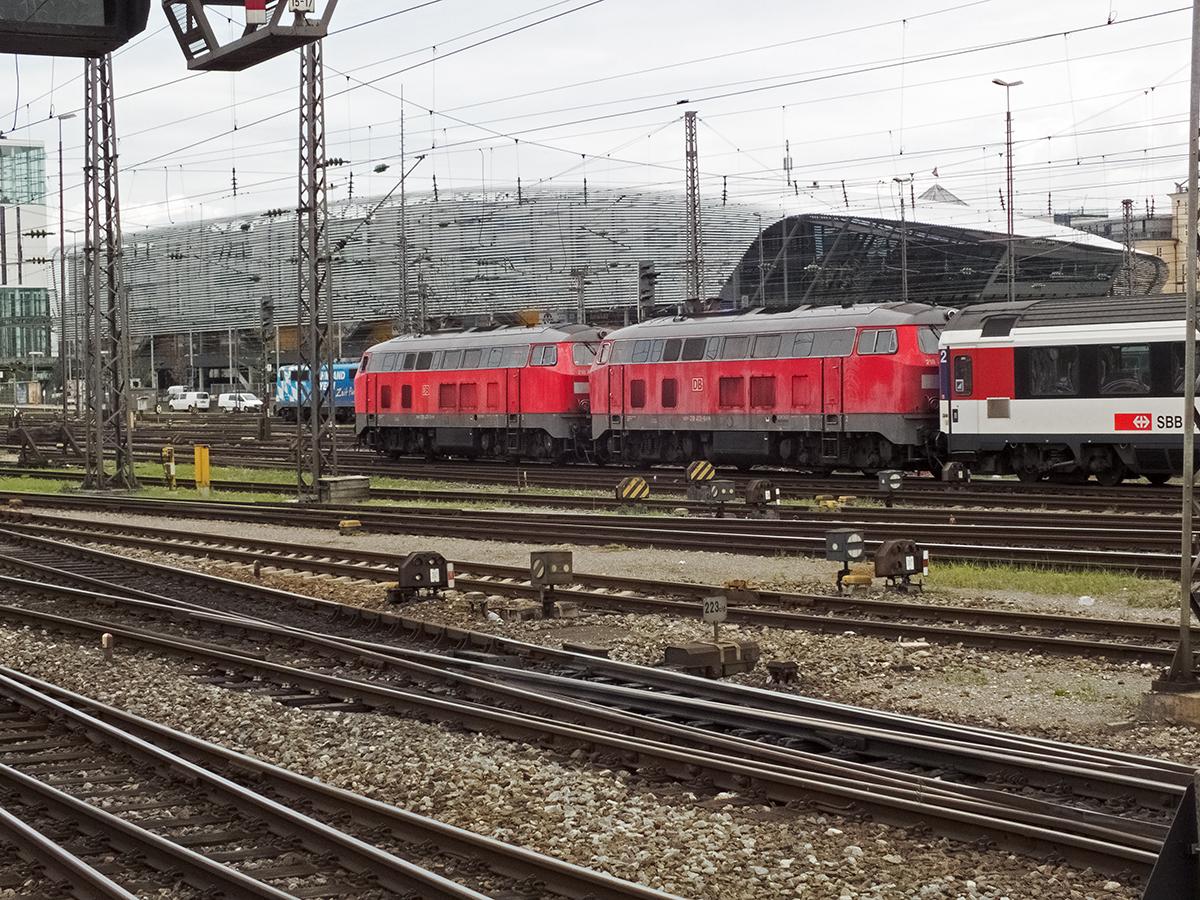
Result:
664,724
899,618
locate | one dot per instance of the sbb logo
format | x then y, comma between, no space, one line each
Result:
1132,422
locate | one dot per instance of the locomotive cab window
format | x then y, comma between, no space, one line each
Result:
583,354
641,351
544,355
389,362
927,340
1125,369
877,342
962,376
514,357
802,345
366,361
605,352
834,343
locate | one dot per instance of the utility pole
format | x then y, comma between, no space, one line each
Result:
695,264
1012,263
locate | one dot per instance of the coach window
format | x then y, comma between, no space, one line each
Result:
737,346
962,376
766,346
670,393
471,358
1177,367
1125,369
406,396
637,393
877,342
802,345
1054,371
671,350
693,349
641,351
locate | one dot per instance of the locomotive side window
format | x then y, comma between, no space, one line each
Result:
605,352
471,358
736,347
671,350
712,350
962,376
452,359
641,351
514,357
693,349
366,361
766,346
424,360
670,393
1125,369
389,362
583,354
802,346
877,341
410,361
1053,371
406,396
834,343
927,339
622,352
637,393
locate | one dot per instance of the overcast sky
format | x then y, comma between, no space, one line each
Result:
553,93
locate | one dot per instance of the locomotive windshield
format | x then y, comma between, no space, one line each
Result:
927,339
582,354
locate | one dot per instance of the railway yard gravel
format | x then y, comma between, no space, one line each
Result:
674,838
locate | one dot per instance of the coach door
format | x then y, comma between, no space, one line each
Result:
832,419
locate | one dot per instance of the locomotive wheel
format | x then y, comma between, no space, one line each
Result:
1112,475
1028,474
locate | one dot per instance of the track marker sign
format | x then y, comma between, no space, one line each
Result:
1133,421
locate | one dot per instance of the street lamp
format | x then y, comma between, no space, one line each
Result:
1008,85
902,181
62,263
68,368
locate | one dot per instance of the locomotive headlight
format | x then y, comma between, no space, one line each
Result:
584,404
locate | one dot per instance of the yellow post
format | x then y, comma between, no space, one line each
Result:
168,461
202,479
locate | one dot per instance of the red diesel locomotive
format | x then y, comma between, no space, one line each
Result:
812,388
519,392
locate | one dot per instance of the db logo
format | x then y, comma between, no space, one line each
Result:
424,390
697,384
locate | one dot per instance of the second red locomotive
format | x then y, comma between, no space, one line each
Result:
812,388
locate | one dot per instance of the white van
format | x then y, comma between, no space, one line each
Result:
189,400
238,402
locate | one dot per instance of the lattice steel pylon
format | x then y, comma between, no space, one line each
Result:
108,416
316,436
695,263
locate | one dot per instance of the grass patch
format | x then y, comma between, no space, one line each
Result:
1135,590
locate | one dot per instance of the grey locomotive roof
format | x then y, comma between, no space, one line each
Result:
1073,312
488,337
802,318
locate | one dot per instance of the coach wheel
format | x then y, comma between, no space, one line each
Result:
1158,478
1112,475
1028,474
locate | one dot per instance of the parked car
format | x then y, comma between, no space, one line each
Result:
238,402
190,400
